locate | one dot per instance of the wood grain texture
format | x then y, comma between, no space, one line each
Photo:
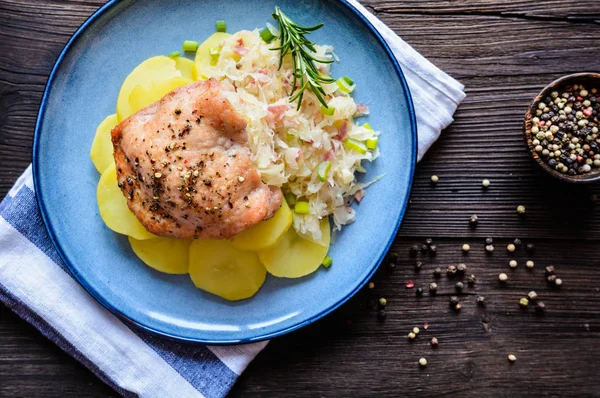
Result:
504,51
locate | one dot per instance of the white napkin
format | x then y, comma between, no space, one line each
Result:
36,285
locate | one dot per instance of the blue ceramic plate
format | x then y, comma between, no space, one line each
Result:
82,90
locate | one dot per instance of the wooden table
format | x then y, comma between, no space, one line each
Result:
504,51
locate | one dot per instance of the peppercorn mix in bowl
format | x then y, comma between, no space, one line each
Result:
561,128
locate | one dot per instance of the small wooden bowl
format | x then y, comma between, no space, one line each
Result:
590,80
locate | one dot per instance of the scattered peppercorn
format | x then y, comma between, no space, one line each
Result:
565,130
424,248
481,300
381,315
485,183
432,250
530,264
517,242
512,263
458,307
419,292
489,248
512,357
461,268
558,282
416,330
489,241
451,271
454,300
530,248
459,286
524,302
434,341
510,247
472,280
433,288
520,209
414,249
418,265
551,279
435,179
382,302
423,362
371,285
429,241
540,306
411,336
466,247
473,221
532,295
437,272
503,277
549,270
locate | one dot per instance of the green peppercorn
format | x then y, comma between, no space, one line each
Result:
466,247
512,357
503,277
512,263
423,362
530,264
485,183
558,282
411,336
532,295
510,247
434,179
489,248
416,330
524,302
520,209
382,302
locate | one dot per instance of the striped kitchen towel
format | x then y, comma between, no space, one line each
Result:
35,284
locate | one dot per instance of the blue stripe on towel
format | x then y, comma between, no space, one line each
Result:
195,363
21,211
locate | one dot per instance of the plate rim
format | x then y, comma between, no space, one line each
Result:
262,336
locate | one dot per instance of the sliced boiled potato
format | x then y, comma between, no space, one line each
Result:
203,57
168,255
146,94
294,256
186,67
217,267
266,233
152,69
113,207
102,147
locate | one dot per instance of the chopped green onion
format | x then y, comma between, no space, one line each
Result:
190,45
301,207
290,198
346,84
269,33
221,26
372,143
175,54
214,55
327,111
367,126
327,262
323,170
355,145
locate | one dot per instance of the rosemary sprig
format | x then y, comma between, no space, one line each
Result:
306,75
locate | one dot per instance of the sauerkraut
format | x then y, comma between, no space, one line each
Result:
289,144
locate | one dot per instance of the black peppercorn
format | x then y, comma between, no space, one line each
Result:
481,300
432,250
451,271
419,291
459,286
473,221
454,300
418,265
540,306
461,268
424,248
437,272
551,278
414,249
381,315
472,280
433,288
517,242
489,241
428,241
530,248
